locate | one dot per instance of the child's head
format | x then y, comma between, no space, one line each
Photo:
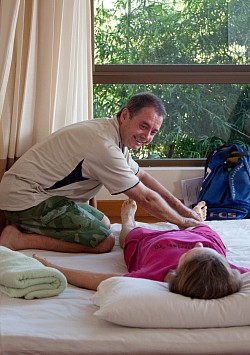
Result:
203,273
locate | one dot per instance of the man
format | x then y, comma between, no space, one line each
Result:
43,191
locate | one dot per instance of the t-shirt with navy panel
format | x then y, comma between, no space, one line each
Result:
74,162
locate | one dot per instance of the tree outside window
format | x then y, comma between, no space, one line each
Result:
193,54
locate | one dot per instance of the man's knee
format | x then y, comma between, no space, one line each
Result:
106,221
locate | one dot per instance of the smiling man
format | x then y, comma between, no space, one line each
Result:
44,194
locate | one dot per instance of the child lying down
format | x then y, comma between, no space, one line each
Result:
192,261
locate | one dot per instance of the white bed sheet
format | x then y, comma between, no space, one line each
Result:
66,324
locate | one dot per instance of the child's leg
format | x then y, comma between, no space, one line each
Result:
128,210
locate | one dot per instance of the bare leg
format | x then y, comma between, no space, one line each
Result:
106,221
128,210
201,209
14,239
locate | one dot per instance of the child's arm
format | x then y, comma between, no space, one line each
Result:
79,278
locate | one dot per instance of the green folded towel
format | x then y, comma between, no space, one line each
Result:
22,276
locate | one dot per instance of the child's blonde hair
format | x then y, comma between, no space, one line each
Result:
205,276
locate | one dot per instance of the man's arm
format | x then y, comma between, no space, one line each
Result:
173,202
159,202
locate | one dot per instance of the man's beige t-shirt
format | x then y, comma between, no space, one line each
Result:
74,162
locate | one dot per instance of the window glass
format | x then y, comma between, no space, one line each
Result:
193,54
172,31
199,116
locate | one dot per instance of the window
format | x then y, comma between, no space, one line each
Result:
193,54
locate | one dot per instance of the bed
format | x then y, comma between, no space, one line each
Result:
69,323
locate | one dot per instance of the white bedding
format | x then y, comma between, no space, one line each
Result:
66,324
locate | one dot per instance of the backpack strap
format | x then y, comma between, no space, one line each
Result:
234,154
247,166
239,153
244,157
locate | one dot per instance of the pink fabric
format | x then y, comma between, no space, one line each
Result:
150,254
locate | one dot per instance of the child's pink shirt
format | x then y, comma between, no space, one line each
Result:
150,254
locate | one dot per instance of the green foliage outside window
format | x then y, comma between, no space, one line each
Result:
199,116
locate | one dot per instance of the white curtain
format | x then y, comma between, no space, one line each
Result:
45,71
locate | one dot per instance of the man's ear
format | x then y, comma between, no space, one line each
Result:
124,114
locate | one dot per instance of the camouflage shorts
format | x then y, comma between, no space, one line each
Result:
60,218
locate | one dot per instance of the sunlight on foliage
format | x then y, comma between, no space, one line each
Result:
199,116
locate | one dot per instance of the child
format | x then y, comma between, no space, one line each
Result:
192,261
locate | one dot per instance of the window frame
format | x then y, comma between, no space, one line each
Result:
171,74
168,74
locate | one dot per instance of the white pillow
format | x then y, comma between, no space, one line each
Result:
144,303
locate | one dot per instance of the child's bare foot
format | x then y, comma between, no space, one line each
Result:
11,238
128,210
201,210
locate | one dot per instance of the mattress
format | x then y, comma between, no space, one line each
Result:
66,324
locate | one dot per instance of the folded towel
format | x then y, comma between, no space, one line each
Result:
24,276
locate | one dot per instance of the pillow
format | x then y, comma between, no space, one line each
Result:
135,302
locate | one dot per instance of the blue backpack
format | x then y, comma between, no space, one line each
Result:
226,184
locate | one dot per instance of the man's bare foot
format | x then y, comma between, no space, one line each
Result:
128,210
201,210
11,238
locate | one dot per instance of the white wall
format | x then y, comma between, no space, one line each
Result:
169,177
